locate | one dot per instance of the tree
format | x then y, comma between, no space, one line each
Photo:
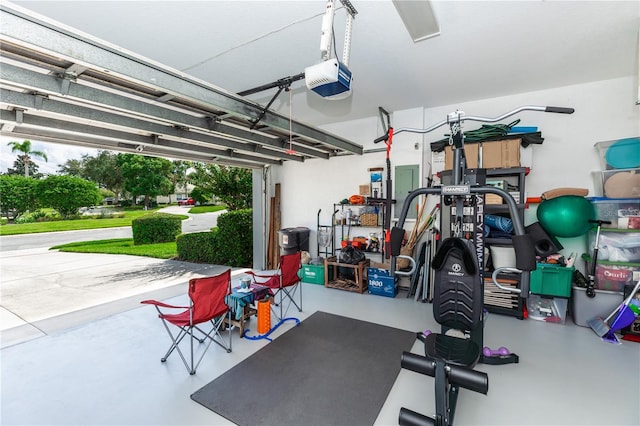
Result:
20,169
101,169
72,167
67,194
25,148
201,195
233,185
18,194
179,175
148,176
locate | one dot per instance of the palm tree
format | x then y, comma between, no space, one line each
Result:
25,148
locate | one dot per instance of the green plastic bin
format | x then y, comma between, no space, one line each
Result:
313,274
551,280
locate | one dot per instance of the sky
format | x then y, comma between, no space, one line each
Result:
57,154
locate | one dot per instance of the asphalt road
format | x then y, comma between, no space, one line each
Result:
195,223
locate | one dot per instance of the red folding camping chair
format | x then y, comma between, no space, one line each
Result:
285,282
206,305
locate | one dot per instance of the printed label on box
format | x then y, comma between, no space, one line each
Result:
381,283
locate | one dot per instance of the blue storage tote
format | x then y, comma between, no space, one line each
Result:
551,280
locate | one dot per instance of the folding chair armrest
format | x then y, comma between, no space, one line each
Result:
262,277
164,305
254,275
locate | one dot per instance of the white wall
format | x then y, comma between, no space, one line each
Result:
605,110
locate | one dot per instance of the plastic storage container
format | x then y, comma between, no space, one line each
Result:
313,274
292,240
551,280
612,276
619,154
548,309
617,183
617,245
584,308
623,213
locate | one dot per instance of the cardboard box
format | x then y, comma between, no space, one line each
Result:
381,283
364,190
495,154
501,154
470,151
492,199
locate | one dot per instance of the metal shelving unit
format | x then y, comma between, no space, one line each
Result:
496,300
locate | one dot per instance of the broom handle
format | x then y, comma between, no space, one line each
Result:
625,302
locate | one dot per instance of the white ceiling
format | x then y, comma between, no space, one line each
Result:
486,48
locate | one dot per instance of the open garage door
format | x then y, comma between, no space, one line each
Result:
64,86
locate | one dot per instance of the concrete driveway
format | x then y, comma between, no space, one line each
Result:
43,291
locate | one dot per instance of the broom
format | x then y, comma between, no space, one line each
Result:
625,316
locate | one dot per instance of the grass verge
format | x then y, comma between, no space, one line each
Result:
122,246
206,209
74,224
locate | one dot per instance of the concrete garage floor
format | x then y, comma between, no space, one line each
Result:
97,362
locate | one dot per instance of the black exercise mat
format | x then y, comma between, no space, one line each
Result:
329,370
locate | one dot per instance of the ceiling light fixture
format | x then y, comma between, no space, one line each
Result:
418,18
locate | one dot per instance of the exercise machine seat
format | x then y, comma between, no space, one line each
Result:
452,350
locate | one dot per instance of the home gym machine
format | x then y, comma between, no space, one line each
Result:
459,282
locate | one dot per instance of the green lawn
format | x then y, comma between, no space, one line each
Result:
74,225
122,246
206,209
115,246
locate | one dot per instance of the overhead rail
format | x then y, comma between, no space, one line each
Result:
61,85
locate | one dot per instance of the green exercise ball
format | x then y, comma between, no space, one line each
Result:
566,216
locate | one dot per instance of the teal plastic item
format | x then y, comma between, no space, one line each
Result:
624,154
523,129
567,216
551,280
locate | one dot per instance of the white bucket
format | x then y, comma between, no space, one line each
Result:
503,257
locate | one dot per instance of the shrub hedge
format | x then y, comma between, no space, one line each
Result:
198,247
231,243
156,228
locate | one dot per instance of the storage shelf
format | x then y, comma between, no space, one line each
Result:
498,241
496,300
345,230
333,279
501,208
500,301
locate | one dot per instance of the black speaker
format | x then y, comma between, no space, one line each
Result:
544,243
